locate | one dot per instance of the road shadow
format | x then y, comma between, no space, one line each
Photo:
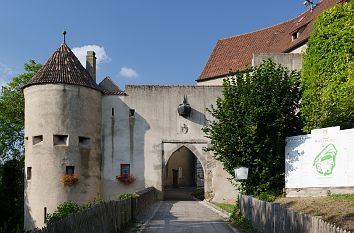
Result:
179,194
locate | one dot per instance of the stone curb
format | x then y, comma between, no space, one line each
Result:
226,215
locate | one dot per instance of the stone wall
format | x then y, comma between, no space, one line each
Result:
293,61
147,140
62,128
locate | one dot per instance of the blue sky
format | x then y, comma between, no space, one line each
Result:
138,41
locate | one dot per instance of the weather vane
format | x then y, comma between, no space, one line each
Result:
309,3
64,34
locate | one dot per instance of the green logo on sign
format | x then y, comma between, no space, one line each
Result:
325,161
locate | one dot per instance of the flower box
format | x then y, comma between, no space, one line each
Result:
69,180
126,179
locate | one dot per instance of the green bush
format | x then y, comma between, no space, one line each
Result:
239,220
258,110
92,203
63,210
127,196
70,207
267,196
328,70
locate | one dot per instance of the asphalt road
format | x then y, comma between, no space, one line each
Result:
186,216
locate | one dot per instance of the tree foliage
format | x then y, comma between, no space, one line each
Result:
257,111
11,151
12,113
328,70
11,195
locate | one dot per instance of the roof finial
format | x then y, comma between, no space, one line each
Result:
64,34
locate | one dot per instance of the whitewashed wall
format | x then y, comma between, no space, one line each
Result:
149,139
320,162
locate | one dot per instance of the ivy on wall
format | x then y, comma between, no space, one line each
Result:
328,70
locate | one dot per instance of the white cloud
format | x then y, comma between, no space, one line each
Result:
101,55
128,72
5,74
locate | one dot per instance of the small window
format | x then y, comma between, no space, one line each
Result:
60,140
26,141
294,36
125,170
37,139
297,33
131,112
29,173
180,173
84,141
112,111
70,170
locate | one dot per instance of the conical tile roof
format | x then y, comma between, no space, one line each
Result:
63,67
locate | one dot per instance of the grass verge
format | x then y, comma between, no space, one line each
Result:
241,223
225,206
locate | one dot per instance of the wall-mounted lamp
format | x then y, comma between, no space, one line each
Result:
241,173
184,109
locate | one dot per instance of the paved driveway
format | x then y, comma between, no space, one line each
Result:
186,216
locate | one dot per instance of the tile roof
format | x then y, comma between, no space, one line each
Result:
63,67
109,87
235,53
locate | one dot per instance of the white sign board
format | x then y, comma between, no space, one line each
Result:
324,158
241,173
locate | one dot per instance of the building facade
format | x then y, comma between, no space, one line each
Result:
85,141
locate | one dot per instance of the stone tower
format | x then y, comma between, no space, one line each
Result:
62,136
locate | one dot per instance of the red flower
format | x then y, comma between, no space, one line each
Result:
69,180
126,179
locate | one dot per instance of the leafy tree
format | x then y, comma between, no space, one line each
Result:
12,113
328,70
258,110
11,195
11,151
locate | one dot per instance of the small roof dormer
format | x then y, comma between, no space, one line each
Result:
109,87
63,67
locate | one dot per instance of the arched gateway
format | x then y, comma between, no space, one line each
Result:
186,165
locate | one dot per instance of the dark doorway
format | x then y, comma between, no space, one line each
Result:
184,174
175,178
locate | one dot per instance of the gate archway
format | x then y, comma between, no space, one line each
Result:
184,172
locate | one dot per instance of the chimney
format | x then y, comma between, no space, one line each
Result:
91,64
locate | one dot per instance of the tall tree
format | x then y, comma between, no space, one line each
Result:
257,111
11,195
328,70
12,113
11,150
